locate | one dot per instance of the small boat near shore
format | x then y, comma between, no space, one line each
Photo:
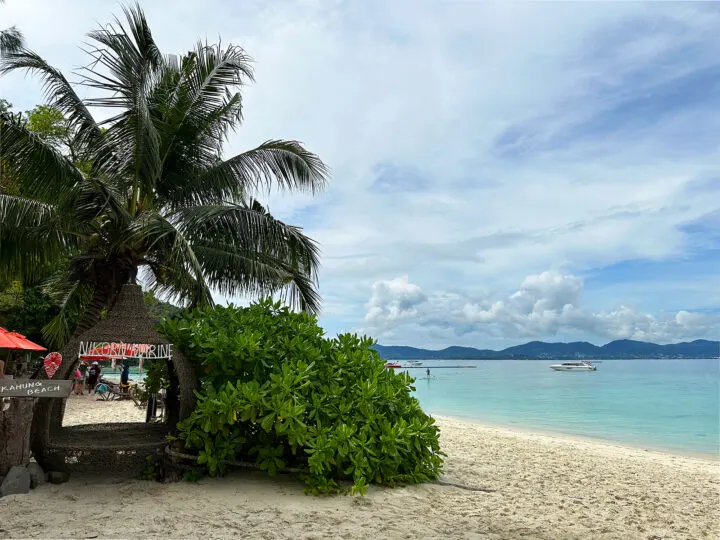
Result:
585,365
392,365
413,363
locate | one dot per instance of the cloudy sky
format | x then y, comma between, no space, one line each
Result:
501,172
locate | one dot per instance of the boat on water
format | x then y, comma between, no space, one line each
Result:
392,365
585,365
413,363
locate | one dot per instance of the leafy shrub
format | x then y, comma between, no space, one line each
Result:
275,391
156,378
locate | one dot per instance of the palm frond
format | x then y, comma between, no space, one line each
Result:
232,272
170,254
244,249
73,297
130,56
127,62
247,226
58,91
11,39
210,74
32,237
286,164
175,284
39,168
199,106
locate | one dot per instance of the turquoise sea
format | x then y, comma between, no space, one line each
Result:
669,405
135,375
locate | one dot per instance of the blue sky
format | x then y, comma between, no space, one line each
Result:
501,171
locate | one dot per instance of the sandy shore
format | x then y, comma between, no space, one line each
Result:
87,409
547,487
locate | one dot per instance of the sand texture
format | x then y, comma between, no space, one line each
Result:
546,487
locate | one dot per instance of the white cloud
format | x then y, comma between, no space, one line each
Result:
545,306
393,300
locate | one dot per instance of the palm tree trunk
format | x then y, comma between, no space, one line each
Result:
15,433
49,412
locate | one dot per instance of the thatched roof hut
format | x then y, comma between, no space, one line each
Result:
127,322
117,445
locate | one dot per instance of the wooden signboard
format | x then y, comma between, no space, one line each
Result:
33,388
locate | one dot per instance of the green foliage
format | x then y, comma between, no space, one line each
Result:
48,123
159,310
275,391
156,378
26,309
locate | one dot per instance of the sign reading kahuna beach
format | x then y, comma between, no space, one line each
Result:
34,388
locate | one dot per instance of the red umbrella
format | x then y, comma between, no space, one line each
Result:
5,341
13,340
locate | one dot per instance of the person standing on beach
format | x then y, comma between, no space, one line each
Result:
78,384
93,376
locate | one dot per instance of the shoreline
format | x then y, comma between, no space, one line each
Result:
522,431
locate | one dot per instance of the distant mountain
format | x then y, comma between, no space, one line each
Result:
623,348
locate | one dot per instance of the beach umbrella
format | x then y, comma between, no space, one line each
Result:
16,341
13,341
5,341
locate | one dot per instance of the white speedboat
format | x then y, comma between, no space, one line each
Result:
574,366
413,363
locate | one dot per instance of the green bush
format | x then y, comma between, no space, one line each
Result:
156,379
275,391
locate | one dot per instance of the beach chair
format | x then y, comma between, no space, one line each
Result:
103,391
112,392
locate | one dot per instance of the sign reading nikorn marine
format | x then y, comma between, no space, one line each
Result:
125,350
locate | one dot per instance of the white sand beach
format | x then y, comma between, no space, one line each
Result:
546,487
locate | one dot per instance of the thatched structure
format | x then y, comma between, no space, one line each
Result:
127,322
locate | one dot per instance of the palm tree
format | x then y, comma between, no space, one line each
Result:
146,194
11,39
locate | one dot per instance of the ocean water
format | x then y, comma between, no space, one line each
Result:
135,375
669,405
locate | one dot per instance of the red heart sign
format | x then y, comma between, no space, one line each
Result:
52,363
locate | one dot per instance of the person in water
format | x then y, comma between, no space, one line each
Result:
427,371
